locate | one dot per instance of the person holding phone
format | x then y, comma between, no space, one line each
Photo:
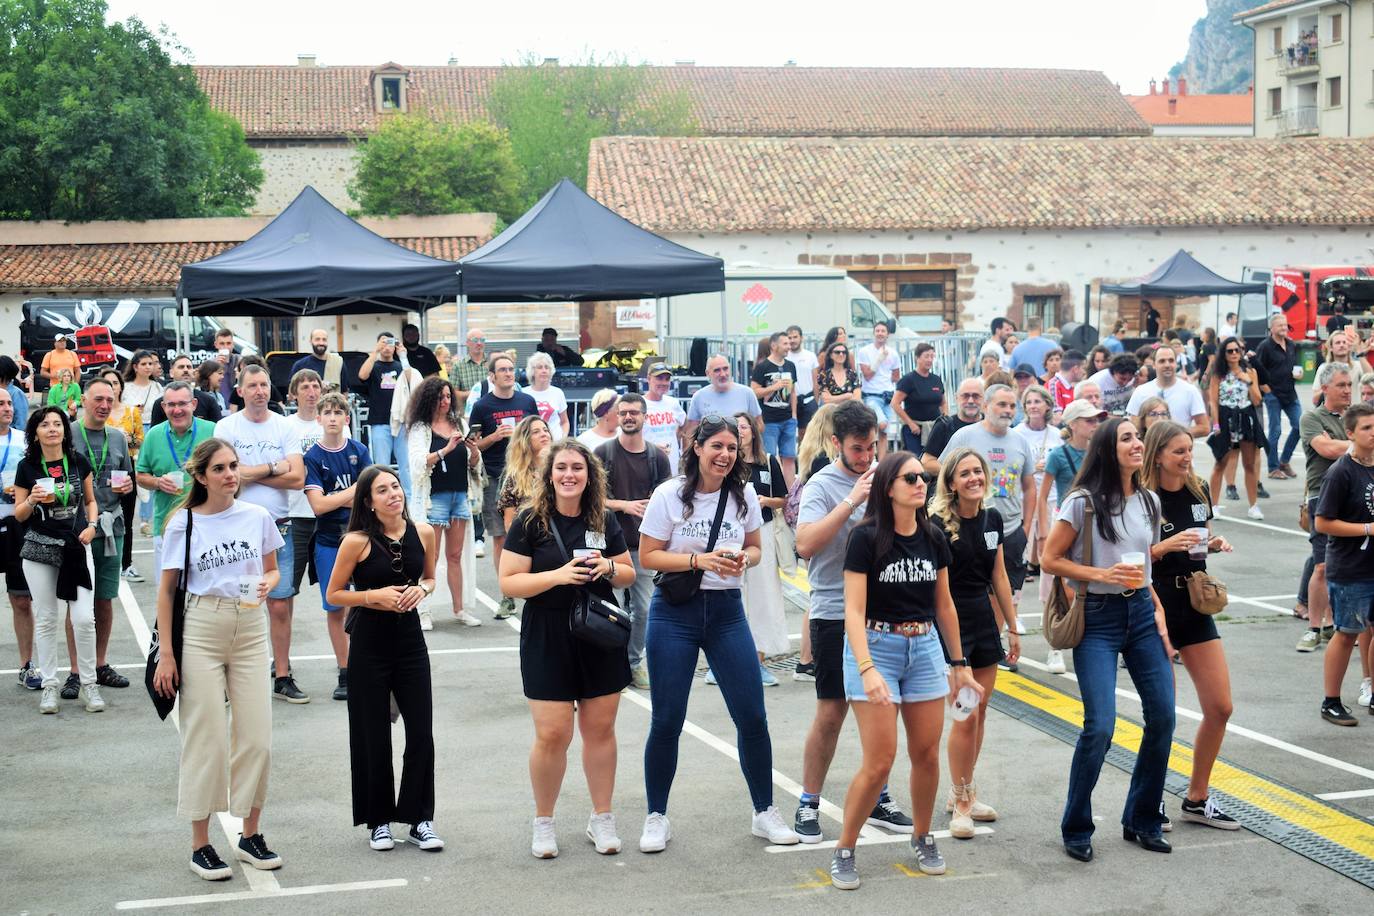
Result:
1234,394
568,681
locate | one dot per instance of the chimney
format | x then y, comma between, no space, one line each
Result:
1173,106
452,61
1166,86
551,62
305,60
1182,86
1152,87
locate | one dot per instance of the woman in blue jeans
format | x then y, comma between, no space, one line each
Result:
1123,618
673,538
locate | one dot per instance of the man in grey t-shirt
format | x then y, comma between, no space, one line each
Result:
723,397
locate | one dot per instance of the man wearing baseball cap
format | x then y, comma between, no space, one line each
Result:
561,355
60,358
663,414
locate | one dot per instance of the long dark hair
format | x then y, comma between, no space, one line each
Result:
31,446
543,504
878,510
1217,368
131,368
362,518
734,482
829,365
425,402
1099,479
200,458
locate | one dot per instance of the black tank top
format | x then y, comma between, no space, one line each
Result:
375,570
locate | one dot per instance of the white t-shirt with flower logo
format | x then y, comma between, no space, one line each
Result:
224,546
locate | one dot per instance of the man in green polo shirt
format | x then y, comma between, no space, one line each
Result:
166,447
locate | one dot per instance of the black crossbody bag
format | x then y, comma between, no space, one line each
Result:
681,587
162,704
591,618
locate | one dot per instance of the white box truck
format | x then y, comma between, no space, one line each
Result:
761,300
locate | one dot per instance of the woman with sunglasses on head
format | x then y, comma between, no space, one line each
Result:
837,381
673,538
226,747
1233,393
897,612
1123,619
1185,539
567,540
385,568
976,576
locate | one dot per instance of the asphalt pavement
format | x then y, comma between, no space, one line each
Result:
91,824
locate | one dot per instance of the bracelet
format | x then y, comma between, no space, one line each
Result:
692,562
866,665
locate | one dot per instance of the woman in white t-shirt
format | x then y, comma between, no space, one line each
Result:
673,539
224,654
548,397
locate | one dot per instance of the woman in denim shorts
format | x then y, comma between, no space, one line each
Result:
896,592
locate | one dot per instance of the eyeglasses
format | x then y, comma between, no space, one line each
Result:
630,413
477,340
971,396
1159,415
175,405
911,478
396,563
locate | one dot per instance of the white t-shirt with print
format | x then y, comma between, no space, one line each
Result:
664,520
308,432
224,546
260,443
663,421
551,402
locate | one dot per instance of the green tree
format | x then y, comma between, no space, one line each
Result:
413,164
554,113
98,122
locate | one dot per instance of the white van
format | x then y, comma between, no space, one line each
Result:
761,300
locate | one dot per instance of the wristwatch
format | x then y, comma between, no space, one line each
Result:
852,504
428,591
959,662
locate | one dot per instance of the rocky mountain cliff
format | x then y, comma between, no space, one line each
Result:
1220,53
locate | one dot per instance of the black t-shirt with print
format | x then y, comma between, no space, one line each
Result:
922,395
1348,496
542,549
56,519
974,555
1179,511
901,583
777,407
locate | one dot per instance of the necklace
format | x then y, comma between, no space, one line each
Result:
1368,463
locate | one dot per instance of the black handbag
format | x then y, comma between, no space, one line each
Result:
162,704
681,587
592,618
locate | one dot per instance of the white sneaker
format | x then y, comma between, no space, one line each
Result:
1216,510
47,703
657,832
1366,689
1255,513
1054,662
94,701
769,824
467,619
426,620
480,547
1020,627
601,831
545,843
131,575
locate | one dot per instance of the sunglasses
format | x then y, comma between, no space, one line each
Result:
1230,350
839,352
477,340
396,563
910,478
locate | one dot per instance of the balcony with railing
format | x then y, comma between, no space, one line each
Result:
1301,57
1300,121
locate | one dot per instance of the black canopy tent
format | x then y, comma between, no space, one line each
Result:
1180,275
569,248
312,259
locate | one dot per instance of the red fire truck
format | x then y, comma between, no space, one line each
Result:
1311,296
94,346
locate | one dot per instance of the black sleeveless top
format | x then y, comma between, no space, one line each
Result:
375,570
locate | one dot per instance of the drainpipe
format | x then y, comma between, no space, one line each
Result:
1349,81
1254,72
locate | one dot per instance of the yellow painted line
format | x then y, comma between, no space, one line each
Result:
822,880
1310,814
797,579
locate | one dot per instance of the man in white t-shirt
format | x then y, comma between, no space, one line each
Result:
1186,406
806,364
996,345
880,367
663,415
1117,383
1228,327
270,467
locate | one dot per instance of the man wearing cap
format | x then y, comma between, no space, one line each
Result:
663,414
1186,406
723,397
774,383
1060,385
59,358
561,355
806,364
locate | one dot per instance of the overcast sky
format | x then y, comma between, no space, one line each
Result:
1075,34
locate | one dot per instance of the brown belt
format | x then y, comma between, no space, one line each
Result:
907,628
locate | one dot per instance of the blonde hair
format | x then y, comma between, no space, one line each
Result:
1142,415
945,505
1038,389
817,441
522,462
1156,438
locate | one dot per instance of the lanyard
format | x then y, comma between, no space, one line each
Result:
5,456
104,452
176,458
63,491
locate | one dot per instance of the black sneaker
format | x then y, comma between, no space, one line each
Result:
423,835
887,814
284,688
1337,714
207,863
107,676
1207,812
807,824
1232,492
805,671
1165,824
253,850
72,687
1005,665
341,691
1261,492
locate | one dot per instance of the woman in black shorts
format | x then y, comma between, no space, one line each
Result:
566,678
976,574
390,561
1185,505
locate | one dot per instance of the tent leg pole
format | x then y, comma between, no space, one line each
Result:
462,320
724,327
185,325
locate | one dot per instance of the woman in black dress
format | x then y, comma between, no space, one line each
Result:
976,574
389,560
565,678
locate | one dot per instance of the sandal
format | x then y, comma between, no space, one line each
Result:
1300,611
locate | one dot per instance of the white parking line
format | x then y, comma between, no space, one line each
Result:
1338,796
259,895
871,840
1222,516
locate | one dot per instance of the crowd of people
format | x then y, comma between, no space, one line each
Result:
920,519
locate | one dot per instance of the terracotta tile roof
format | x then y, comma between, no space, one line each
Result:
799,185
1195,110
330,102
1264,8
144,265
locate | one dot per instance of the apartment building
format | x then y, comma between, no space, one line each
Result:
1314,67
